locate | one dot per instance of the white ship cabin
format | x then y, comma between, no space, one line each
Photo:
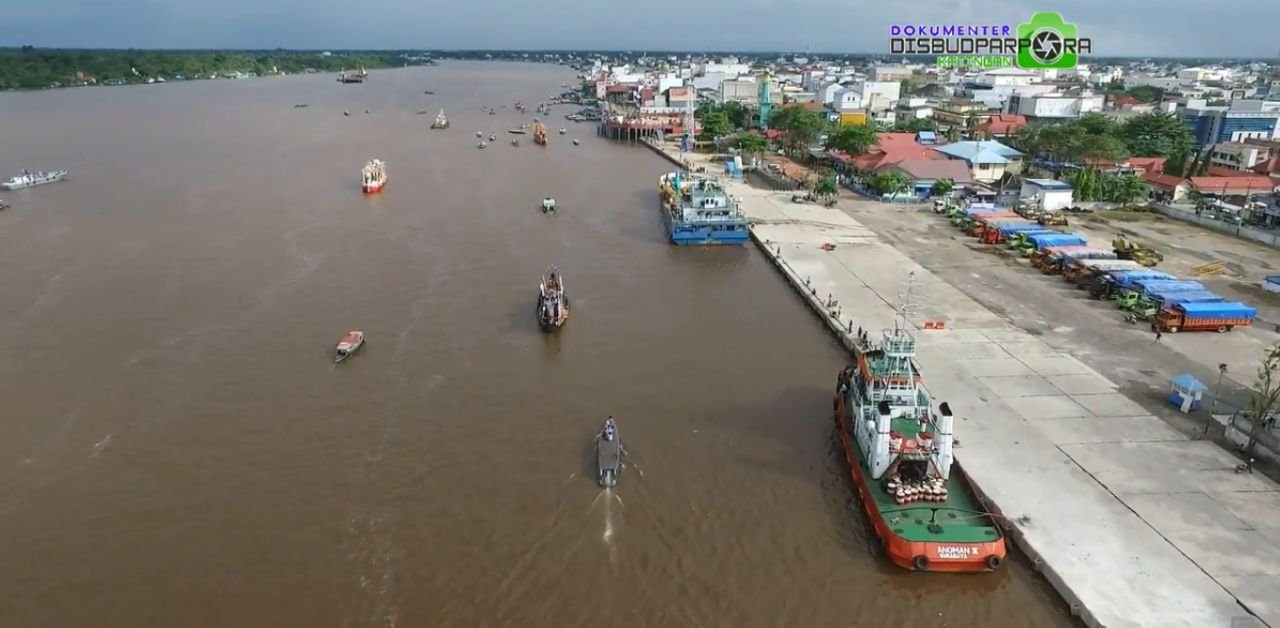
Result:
706,199
894,419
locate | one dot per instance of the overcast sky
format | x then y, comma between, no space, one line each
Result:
1239,28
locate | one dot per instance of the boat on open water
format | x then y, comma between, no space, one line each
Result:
349,344
698,210
899,453
553,305
30,179
608,454
373,176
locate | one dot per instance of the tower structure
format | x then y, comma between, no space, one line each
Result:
766,99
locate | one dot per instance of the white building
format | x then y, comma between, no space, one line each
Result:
827,93
1007,77
1238,155
1048,194
879,95
1054,106
891,73
847,99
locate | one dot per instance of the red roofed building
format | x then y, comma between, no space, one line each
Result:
1002,125
891,149
1143,165
1166,187
1234,186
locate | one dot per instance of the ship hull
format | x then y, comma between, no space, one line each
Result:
685,234
373,188
936,556
30,184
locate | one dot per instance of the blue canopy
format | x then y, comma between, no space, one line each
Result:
1154,286
1220,309
1188,296
1127,277
1021,228
1043,240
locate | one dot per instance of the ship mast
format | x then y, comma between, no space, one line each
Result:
900,350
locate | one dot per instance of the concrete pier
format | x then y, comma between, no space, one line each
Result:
1133,523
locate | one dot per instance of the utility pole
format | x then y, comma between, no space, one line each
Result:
1213,405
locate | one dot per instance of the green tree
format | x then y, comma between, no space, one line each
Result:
1126,189
1156,134
1266,395
825,187
1176,164
1099,147
942,187
1146,93
853,139
750,143
915,125
800,127
715,124
890,183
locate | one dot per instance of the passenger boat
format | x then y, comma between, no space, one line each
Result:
899,453
32,179
553,305
608,454
373,176
441,122
349,344
354,77
698,210
539,134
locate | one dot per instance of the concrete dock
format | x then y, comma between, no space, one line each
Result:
1134,524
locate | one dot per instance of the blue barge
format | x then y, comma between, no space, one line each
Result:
698,211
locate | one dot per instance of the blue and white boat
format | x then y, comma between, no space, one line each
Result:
699,211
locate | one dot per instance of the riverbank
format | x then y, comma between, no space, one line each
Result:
1145,526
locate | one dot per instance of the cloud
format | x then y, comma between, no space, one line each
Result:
1120,28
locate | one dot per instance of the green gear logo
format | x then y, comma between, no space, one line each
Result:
1047,42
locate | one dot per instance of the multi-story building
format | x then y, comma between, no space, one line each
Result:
957,112
891,73
1239,155
879,96
1053,106
1243,119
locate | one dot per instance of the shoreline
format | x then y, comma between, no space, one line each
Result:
1167,585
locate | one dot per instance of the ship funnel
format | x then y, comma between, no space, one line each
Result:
945,409
883,408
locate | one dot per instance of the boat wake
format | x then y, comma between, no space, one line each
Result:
611,520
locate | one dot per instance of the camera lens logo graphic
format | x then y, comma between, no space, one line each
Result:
1047,42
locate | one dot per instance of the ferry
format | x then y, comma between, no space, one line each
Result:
899,453
698,210
32,179
373,176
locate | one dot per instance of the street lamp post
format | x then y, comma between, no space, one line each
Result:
1213,405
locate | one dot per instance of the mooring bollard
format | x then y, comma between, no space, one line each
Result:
849,327
806,280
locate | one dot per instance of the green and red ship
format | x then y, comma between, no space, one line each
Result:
900,457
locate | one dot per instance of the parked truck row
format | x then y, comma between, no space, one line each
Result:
1123,273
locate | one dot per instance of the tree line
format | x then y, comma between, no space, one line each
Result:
33,68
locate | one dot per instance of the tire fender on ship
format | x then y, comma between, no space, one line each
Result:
993,562
920,563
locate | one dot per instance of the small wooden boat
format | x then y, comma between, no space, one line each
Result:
300,106
349,344
481,145
428,92
516,131
576,142
515,142
493,137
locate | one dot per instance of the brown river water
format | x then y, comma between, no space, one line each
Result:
177,448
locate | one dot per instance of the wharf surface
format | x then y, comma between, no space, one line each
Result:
1132,522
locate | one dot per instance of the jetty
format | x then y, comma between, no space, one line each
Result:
1132,522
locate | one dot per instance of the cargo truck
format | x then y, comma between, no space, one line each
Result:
1220,317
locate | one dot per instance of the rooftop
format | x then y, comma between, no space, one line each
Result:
1049,184
980,152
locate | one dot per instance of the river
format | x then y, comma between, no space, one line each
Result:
177,448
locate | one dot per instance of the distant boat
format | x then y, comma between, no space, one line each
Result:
553,305
481,144
349,344
373,176
441,122
300,106
343,77
32,179
3,205
428,92
516,131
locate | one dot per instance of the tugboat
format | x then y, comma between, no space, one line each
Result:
553,305
608,455
32,179
373,176
441,122
549,205
349,344
900,457
698,210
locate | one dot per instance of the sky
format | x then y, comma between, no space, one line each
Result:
1180,28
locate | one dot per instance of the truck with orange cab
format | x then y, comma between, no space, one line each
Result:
1220,317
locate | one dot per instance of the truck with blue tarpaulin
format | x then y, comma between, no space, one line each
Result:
1221,316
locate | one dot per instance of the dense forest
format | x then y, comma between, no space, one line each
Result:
35,68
